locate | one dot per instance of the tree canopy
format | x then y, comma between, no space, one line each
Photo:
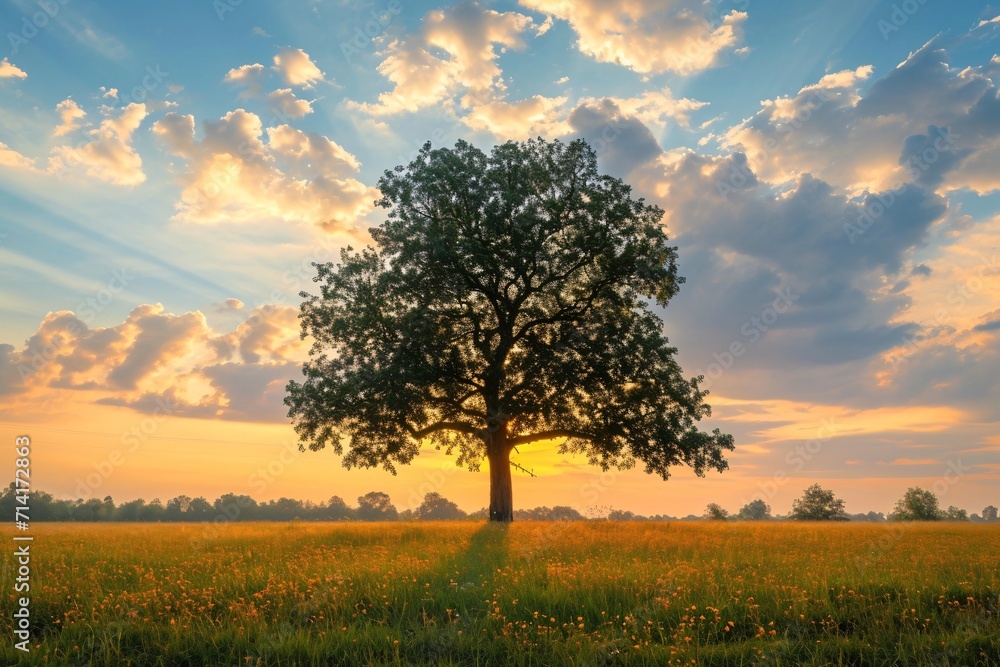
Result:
818,504
376,506
917,504
436,507
715,512
508,299
755,510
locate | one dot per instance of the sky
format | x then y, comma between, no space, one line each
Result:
828,171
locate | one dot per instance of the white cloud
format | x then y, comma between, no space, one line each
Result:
924,122
746,243
177,133
550,117
9,70
419,80
995,19
284,102
535,116
468,36
248,76
70,115
310,153
297,68
780,141
544,27
11,158
656,107
109,155
229,305
155,359
233,176
467,33
680,36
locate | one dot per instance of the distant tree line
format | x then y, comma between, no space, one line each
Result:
373,506
819,504
816,504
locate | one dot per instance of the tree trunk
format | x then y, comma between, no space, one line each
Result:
501,493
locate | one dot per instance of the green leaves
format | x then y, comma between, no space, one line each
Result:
818,504
507,292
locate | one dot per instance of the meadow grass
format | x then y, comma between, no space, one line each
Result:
583,593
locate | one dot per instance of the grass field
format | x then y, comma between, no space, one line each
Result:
595,593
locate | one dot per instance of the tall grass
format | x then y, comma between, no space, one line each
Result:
585,593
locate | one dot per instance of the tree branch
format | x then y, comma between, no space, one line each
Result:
573,312
461,427
549,435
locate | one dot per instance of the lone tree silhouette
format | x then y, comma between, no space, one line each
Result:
507,301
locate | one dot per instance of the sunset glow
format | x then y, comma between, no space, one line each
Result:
831,185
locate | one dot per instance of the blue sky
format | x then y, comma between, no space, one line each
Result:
168,172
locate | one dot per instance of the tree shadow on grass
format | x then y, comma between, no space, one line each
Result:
489,550
454,613
470,574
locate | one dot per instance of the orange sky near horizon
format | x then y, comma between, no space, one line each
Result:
105,450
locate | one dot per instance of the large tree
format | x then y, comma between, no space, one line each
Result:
376,506
714,512
438,508
755,510
507,300
917,505
818,504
